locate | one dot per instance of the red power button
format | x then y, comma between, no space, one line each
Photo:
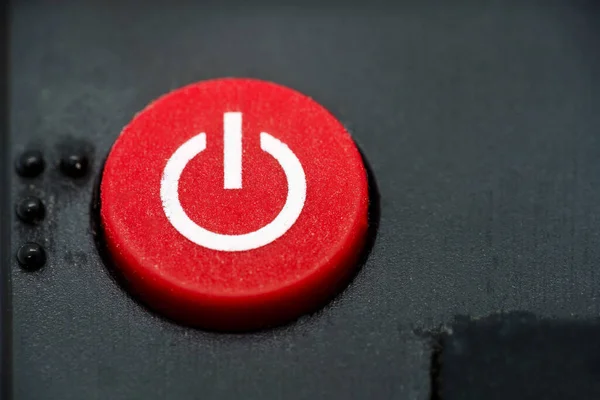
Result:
234,204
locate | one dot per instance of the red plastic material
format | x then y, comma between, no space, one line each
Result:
234,290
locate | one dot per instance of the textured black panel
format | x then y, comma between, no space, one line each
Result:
5,200
480,122
517,356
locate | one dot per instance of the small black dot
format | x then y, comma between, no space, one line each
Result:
31,210
30,164
31,256
74,165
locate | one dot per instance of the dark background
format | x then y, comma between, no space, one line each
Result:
480,122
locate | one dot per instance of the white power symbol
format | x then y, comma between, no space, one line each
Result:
232,164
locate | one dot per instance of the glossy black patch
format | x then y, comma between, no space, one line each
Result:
74,165
31,210
30,164
31,256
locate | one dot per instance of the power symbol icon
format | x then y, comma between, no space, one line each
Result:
233,171
234,204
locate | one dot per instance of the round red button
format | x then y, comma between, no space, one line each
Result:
234,204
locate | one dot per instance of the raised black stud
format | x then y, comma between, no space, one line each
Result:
31,210
74,165
31,256
30,163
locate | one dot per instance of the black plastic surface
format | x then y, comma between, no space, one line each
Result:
517,356
480,121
